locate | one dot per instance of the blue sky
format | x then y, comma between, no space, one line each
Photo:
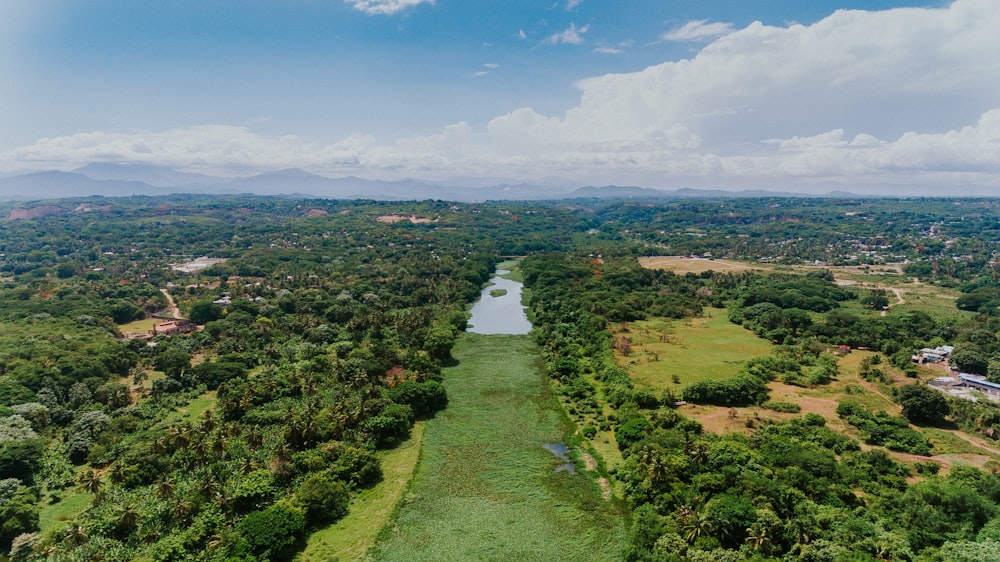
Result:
885,95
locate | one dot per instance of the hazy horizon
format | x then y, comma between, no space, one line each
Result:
885,97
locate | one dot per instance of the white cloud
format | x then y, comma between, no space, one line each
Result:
491,65
384,7
521,35
698,30
613,49
571,36
904,97
572,5
479,74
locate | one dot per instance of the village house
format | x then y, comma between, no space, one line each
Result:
179,326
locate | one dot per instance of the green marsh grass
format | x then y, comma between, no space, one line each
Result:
486,488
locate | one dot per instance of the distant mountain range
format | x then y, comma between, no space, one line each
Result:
119,180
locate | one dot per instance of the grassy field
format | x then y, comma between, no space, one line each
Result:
486,488
351,537
695,349
684,264
53,517
143,326
934,300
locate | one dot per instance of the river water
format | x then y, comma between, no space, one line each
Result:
499,315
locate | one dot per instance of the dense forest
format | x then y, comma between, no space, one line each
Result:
319,333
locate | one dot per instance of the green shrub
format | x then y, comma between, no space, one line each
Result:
272,531
784,407
323,498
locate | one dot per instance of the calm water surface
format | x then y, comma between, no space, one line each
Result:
499,315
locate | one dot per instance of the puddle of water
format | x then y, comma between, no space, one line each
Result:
561,451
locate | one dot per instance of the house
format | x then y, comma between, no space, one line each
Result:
179,326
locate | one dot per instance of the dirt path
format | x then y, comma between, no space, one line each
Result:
176,312
899,298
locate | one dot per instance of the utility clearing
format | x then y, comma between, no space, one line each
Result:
486,487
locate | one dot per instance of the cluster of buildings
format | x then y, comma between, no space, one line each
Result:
935,355
960,383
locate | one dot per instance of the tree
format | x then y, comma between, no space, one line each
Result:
323,498
923,405
969,359
205,311
425,398
18,512
273,530
91,482
20,459
173,362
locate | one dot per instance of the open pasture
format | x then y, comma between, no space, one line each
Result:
691,350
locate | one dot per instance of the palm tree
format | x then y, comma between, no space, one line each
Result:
254,437
652,460
208,486
165,488
128,521
248,464
697,526
118,473
75,536
91,482
180,436
181,510
207,421
759,537
219,444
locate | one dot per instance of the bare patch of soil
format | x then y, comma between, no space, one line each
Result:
605,488
393,219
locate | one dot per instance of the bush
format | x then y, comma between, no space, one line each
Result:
270,533
391,427
923,405
425,398
323,498
784,407
741,390
632,431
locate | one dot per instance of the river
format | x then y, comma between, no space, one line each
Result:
501,314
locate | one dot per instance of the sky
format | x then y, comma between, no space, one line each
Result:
878,96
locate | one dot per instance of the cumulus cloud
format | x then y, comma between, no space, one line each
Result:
697,30
571,36
858,98
384,7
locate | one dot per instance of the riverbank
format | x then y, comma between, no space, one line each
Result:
370,510
486,487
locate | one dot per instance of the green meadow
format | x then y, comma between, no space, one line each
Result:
694,349
486,487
